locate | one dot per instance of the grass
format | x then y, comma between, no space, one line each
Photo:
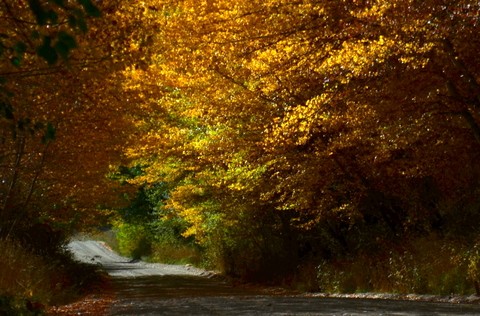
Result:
426,266
25,278
30,282
175,254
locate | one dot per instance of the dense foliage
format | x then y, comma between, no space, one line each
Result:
57,140
61,123
323,135
297,132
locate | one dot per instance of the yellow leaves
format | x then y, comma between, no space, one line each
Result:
281,52
230,85
259,64
381,40
376,11
298,125
240,175
190,212
133,74
275,57
134,47
416,54
355,59
190,201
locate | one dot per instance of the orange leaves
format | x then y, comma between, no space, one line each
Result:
90,107
304,106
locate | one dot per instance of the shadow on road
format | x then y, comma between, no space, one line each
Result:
176,286
192,295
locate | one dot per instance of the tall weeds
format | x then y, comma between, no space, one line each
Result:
24,277
29,282
428,265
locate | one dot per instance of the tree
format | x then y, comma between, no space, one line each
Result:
329,114
66,120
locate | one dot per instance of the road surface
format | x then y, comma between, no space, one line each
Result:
159,289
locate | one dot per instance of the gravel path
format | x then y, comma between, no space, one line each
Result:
96,252
158,289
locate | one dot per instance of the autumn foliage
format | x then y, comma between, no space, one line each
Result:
311,133
300,131
62,122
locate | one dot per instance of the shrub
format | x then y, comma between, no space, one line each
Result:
176,253
133,240
160,241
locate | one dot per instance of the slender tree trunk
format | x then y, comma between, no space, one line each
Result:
37,174
469,79
16,171
467,75
472,123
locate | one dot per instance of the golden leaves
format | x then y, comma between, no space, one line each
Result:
301,121
284,103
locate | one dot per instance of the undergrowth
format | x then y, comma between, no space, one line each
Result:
30,282
135,242
426,266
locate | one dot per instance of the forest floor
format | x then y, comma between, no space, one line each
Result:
140,288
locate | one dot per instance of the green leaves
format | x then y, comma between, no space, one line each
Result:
90,8
15,52
55,45
19,50
6,110
37,10
60,3
50,133
63,46
65,43
42,15
47,52
45,16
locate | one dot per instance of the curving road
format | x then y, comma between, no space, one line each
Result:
160,289
96,252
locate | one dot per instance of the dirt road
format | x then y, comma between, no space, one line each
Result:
159,289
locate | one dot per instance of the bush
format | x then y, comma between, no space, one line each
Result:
172,253
160,241
10,306
259,247
133,240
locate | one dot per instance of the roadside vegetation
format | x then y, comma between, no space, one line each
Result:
30,281
143,230
37,42
431,263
